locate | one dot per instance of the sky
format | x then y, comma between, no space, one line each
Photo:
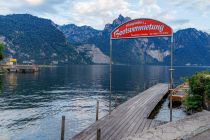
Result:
178,14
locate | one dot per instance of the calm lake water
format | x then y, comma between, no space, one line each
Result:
31,105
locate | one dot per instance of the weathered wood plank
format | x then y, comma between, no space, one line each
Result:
124,121
152,125
149,121
113,126
128,118
112,121
128,128
125,130
103,121
137,127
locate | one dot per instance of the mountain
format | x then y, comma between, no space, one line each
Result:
36,40
78,35
191,47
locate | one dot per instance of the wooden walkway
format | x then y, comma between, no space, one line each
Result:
21,68
128,118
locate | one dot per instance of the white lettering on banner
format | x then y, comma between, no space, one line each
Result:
139,28
134,23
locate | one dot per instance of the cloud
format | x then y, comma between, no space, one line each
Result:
97,13
169,16
34,2
100,12
180,21
40,8
201,6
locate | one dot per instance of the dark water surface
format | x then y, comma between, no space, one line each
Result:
31,105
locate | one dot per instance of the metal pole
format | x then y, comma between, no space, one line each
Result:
171,69
110,76
171,78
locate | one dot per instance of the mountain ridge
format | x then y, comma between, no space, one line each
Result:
32,39
153,50
36,40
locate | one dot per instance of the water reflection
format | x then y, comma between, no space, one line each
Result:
11,81
31,105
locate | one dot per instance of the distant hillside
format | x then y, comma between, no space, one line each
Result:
192,47
78,35
37,40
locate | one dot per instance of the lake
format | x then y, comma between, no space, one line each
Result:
31,105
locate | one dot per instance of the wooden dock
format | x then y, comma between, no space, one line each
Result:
21,68
128,118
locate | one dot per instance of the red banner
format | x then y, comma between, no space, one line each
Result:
141,28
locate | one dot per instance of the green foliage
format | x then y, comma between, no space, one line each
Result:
199,85
207,87
1,52
193,102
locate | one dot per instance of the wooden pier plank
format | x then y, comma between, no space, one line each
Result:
108,121
114,124
128,118
125,130
124,116
118,128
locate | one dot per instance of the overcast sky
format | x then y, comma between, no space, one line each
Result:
178,14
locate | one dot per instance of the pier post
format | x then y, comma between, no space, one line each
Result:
62,127
115,101
98,134
97,110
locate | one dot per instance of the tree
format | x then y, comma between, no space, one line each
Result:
1,52
199,91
